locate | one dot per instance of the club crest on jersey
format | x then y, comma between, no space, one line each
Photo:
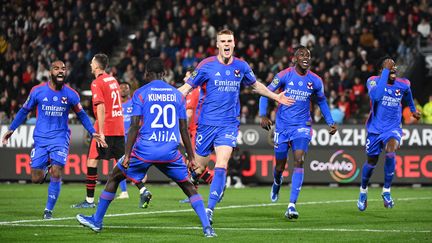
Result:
275,81
55,98
64,100
309,85
129,110
397,92
237,73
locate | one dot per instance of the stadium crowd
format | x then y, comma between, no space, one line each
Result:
346,38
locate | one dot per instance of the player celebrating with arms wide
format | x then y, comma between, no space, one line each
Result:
220,78
384,128
293,123
52,135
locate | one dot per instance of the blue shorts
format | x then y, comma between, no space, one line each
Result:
376,142
296,137
42,156
208,137
137,170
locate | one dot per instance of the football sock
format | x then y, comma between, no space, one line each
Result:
366,174
389,168
197,204
297,182
142,189
216,187
104,201
53,192
91,183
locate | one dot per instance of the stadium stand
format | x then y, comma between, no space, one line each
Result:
345,38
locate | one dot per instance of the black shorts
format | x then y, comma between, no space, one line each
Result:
115,150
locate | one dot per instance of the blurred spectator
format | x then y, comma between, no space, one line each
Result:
345,39
337,114
427,111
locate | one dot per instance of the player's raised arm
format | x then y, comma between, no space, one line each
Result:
263,90
185,89
377,92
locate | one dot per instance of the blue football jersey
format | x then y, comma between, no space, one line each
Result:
386,104
219,103
127,113
300,88
52,113
160,107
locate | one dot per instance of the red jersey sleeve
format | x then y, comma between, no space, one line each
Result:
97,94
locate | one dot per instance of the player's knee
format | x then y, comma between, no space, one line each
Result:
298,163
390,149
56,171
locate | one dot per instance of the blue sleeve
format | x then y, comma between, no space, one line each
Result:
409,100
137,101
249,77
198,77
31,101
19,118
263,103
322,103
85,120
182,107
377,91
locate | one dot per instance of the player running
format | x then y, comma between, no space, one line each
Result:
51,135
161,108
384,126
218,109
293,123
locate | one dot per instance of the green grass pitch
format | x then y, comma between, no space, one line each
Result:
244,215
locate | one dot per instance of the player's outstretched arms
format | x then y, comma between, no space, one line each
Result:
259,88
19,119
266,123
185,89
333,129
6,136
100,140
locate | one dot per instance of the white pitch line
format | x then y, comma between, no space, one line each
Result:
229,229
218,208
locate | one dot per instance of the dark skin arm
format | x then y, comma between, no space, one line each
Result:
186,141
132,135
266,123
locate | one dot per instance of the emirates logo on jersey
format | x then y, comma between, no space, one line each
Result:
397,92
237,73
64,100
309,85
